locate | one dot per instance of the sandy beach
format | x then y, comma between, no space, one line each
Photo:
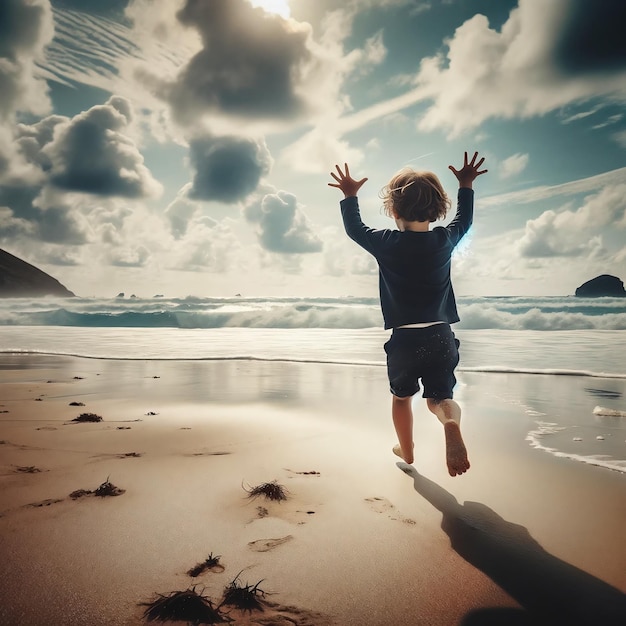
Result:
361,540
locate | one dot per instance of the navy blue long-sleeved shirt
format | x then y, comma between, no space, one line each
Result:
414,267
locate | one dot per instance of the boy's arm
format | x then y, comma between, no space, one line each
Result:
355,228
465,205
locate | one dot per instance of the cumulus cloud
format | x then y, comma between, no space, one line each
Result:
76,165
575,232
228,168
26,27
513,165
91,154
283,226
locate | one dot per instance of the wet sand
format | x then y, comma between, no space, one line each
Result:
361,540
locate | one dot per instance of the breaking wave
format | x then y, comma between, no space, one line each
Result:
505,313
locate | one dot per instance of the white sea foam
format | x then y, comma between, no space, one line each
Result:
600,410
535,438
477,316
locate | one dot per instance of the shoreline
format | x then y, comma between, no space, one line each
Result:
369,543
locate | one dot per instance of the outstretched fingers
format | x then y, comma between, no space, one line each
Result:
474,165
340,176
345,182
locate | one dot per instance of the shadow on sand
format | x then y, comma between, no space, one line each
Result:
551,591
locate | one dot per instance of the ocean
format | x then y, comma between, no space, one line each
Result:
581,340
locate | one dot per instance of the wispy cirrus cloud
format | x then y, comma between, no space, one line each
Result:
543,192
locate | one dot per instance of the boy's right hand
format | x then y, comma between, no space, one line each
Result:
469,172
345,182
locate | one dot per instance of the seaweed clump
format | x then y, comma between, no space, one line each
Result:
188,605
108,489
210,563
271,491
245,597
88,417
80,493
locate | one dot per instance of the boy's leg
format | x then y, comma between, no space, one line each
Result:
402,414
448,412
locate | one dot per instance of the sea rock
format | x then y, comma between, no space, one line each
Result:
604,285
19,279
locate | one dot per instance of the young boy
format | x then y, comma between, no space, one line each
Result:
416,293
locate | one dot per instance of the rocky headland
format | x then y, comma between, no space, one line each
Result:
19,279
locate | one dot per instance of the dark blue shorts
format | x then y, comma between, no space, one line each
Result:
429,354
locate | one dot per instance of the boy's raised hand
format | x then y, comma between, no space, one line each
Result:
345,182
469,172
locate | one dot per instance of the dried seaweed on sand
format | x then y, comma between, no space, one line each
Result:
188,606
87,417
245,597
108,489
271,491
80,493
210,563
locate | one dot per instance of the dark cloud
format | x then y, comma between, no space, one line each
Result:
91,154
592,37
20,26
227,168
250,65
284,228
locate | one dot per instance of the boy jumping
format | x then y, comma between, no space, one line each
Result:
416,294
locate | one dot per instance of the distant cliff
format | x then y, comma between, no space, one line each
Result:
604,285
19,279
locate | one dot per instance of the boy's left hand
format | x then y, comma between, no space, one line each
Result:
345,182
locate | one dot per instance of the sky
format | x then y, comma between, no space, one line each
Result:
183,147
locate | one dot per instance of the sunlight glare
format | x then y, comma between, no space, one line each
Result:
279,7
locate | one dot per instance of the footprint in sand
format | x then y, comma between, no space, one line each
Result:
284,615
265,545
382,505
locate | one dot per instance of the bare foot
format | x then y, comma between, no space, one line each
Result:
456,454
397,450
